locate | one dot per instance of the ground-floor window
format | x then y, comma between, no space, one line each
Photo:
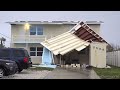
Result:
36,51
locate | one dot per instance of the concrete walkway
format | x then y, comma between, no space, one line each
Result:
61,73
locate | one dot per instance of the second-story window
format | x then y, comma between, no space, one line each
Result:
39,30
36,30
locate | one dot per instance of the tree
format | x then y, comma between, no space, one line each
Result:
113,47
2,42
110,48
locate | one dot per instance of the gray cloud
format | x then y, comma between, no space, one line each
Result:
110,29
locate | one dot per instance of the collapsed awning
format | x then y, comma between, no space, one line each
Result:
84,32
65,43
78,38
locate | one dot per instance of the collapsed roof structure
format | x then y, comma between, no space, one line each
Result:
78,38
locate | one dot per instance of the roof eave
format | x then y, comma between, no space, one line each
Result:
68,23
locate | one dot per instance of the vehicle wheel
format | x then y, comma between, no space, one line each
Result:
1,72
19,70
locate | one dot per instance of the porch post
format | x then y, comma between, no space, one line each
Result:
60,59
90,55
53,62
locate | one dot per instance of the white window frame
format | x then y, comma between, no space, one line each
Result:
36,30
33,51
36,51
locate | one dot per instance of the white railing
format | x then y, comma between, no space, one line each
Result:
28,38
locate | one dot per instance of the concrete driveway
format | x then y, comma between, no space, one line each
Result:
61,73
28,74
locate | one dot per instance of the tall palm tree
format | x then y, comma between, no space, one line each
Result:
2,42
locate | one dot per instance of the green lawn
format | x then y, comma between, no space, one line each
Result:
108,73
42,68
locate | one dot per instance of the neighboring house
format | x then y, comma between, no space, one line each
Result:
40,31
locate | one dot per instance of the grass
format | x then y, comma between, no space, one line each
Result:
108,73
41,68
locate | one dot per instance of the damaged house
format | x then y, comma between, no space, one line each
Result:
81,45
67,42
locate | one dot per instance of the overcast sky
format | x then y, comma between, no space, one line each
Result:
110,29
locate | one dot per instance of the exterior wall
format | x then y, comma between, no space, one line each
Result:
20,35
54,30
35,59
98,55
49,30
17,30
